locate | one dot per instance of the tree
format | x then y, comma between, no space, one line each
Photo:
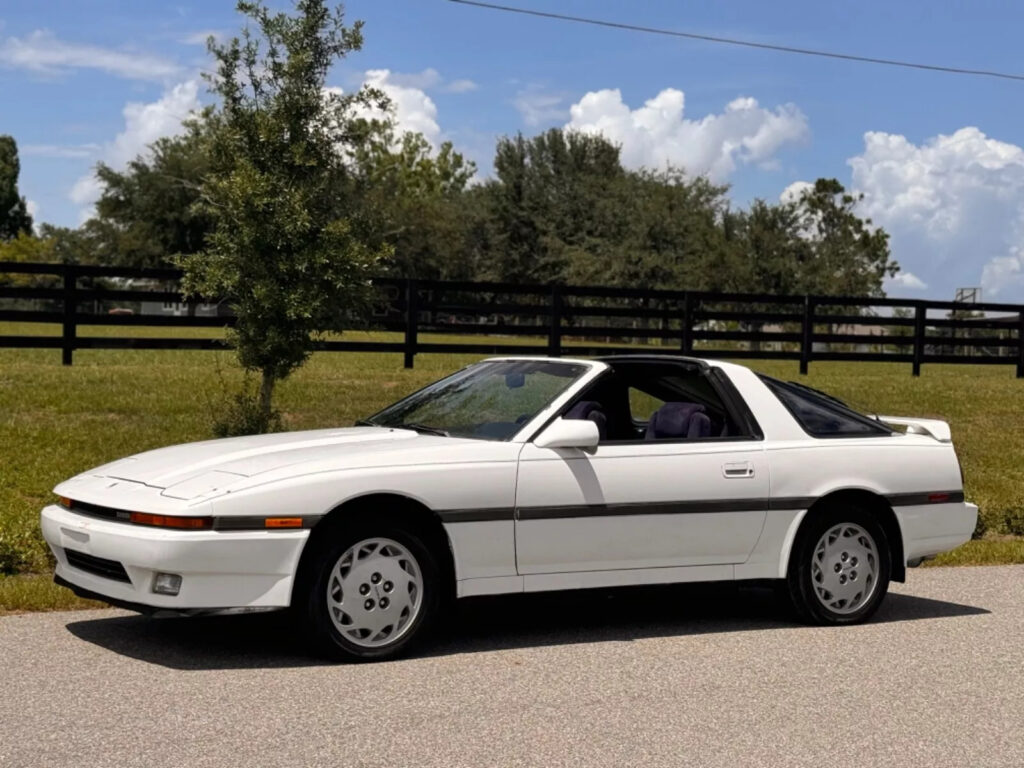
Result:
279,252
410,200
147,214
550,203
850,256
14,215
667,234
816,244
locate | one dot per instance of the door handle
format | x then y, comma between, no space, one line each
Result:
737,469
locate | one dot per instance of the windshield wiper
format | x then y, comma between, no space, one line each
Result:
423,428
366,423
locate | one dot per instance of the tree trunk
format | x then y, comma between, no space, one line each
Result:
266,395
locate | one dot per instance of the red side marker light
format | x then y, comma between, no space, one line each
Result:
938,498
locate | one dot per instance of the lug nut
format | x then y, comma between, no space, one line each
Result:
375,578
364,589
384,602
842,579
388,586
838,567
843,557
853,575
368,605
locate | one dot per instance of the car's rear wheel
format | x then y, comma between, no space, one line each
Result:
372,592
840,565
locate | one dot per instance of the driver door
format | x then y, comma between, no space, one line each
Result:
639,505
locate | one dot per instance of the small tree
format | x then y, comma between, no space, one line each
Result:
280,252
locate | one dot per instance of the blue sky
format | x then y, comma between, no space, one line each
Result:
938,156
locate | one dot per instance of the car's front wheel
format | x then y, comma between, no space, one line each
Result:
374,592
840,565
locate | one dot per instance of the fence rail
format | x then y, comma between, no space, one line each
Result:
540,319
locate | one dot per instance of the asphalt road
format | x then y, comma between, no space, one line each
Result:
653,677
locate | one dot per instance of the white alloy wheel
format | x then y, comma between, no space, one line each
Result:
374,592
844,568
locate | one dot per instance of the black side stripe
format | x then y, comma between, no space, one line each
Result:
710,506
476,515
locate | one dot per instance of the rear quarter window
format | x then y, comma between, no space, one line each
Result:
820,416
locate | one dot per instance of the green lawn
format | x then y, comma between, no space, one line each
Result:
57,421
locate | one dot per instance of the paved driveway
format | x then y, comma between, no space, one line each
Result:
653,677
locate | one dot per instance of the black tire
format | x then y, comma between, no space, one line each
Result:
315,579
805,585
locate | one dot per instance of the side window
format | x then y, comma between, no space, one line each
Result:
648,400
823,417
642,405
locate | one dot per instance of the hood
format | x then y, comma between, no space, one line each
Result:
195,469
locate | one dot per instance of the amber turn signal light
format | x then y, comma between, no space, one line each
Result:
168,521
64,501
283,522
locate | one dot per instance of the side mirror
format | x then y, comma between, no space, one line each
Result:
569,433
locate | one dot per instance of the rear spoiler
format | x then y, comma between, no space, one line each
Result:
931,427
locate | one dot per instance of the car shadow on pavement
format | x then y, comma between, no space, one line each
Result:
485,624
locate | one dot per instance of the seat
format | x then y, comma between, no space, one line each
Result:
678,421
592,410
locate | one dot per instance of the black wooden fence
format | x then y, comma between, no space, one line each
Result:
502,318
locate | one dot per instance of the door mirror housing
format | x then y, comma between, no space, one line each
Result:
569,433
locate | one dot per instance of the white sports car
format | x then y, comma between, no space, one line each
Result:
521,475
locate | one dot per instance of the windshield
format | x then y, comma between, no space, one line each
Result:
489,400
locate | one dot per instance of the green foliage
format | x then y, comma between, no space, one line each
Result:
551,203
816,244
26,248
279,251
147,214
14,216
242,414
409,199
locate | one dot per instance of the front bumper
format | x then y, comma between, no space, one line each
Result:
933,528
219,569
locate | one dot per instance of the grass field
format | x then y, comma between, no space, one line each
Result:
57,421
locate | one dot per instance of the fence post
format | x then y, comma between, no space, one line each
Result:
70,306
807,340
919,317
555,330
1020,344
686,341
412,320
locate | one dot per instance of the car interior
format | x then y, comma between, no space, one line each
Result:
654,400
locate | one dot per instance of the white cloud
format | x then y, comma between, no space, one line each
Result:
658,133
143,124
33,210
411,108
428,78
538,106
43,53
1004,275
907,281
460,86
794,191
200,37
954,206
60,150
